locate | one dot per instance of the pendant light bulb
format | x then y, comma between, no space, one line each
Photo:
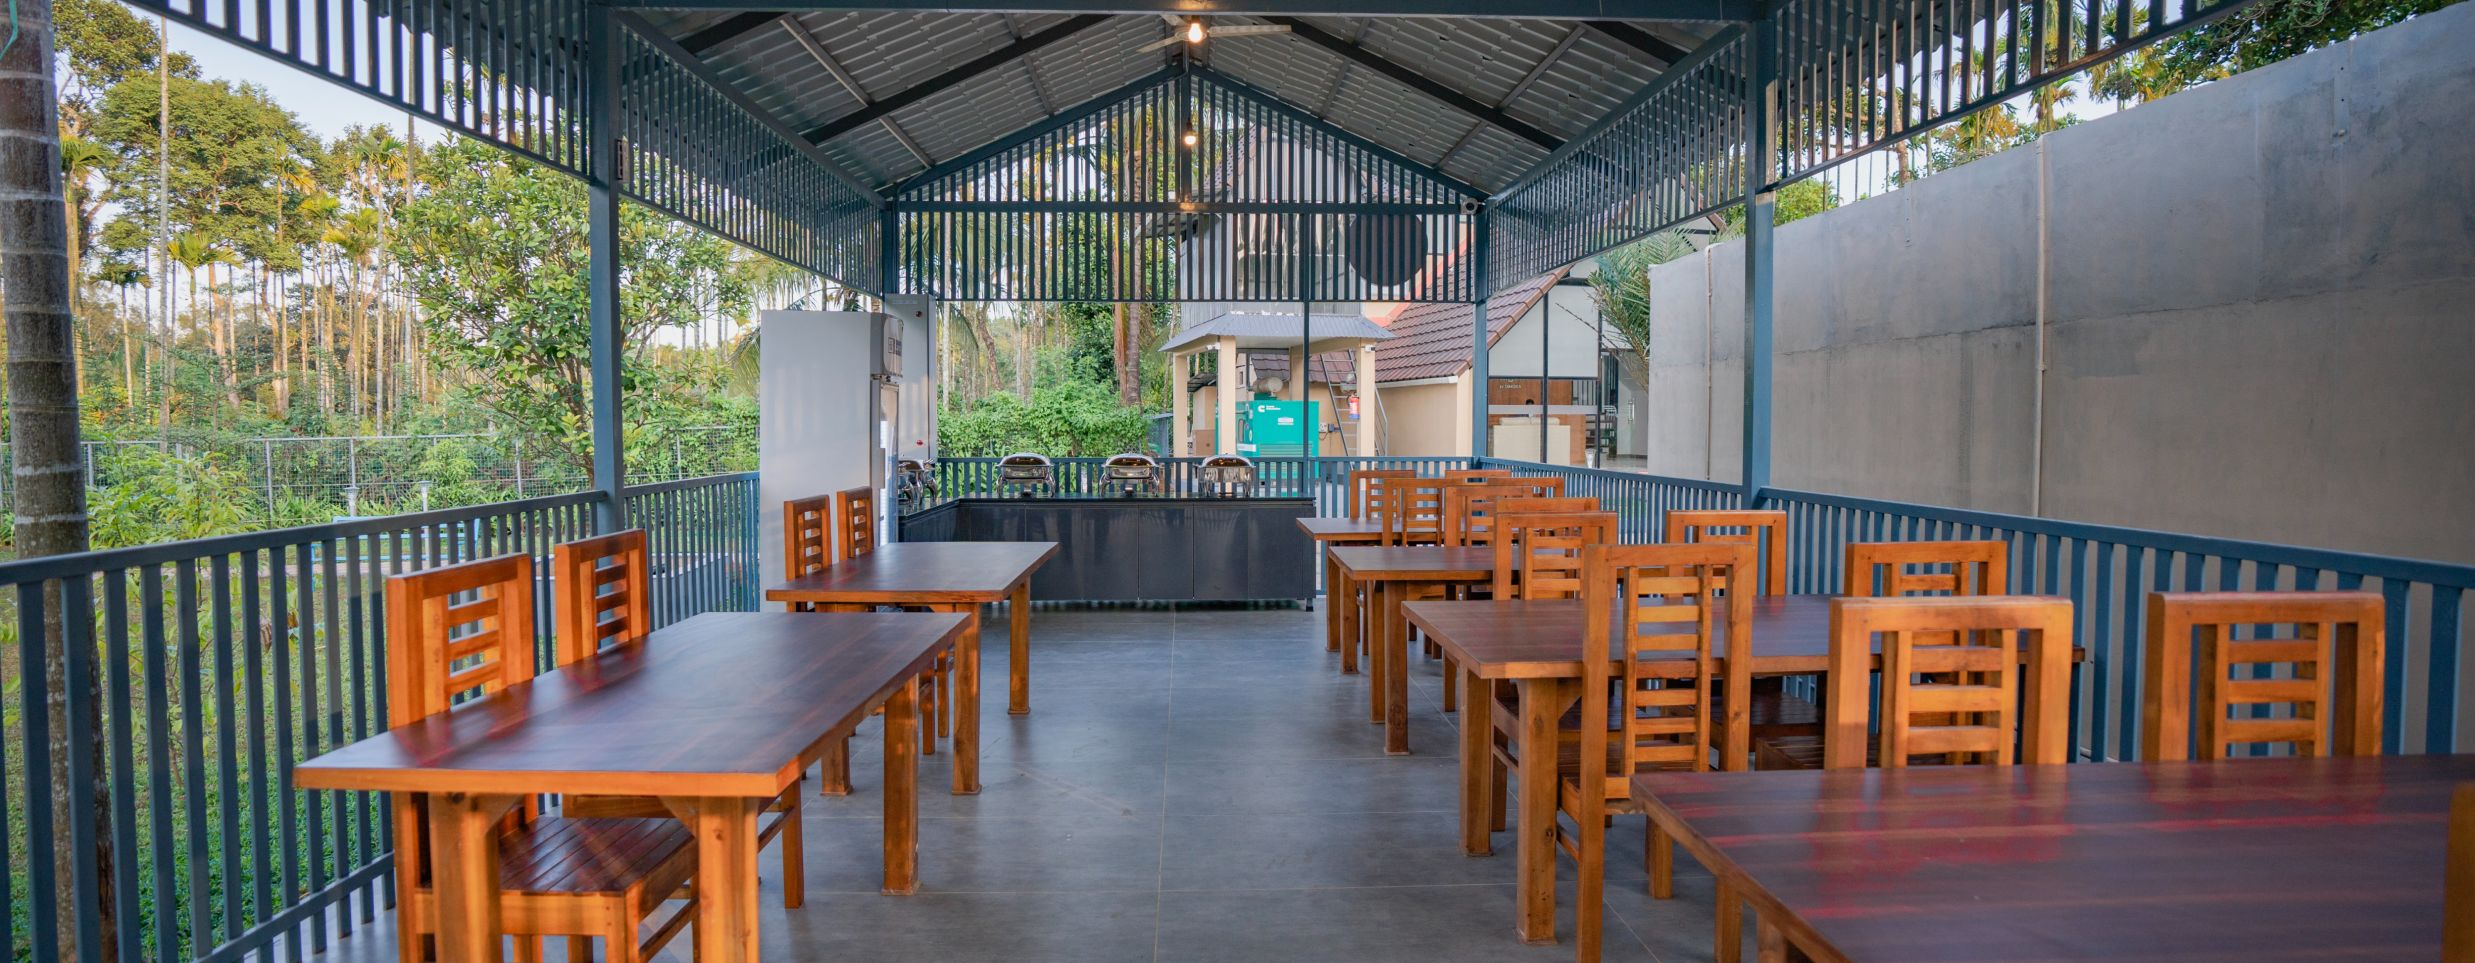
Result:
1194,31
1189,139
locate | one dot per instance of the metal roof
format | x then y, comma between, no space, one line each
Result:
1527,69
1332,332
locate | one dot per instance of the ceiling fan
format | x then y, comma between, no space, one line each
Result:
1191,30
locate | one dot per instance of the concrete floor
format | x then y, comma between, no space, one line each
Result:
1194,785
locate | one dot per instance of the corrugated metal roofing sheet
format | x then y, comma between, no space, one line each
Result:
887,52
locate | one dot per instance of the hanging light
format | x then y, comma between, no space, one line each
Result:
1194,31
1189,139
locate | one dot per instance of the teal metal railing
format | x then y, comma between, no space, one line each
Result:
2107,572
195,674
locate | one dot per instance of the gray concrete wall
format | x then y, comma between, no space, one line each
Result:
2259,318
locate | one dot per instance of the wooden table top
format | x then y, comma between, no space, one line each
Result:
1341,529
723,704
1429,563
1522,639
2246,859
921,572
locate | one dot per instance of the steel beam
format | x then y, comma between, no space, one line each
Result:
1761,165
1676,73
1071,116
601,126
1667,54
952,78
704,72
1176,207
733,28
1417,81
1242,88
1478,332
1727,10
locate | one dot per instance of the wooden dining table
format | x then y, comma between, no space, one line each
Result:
1536,645
1340,612
1394,574
2245,859
956,577
716,715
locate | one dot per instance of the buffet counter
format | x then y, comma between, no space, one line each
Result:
1144,548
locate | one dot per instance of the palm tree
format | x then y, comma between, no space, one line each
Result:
51,518
196,254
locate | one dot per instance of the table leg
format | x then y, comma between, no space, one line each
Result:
725,830
1477,768
1351,619
1371,621
902,792
464,873
1396,670
967,705
1018,651
1331,600
1534,849
1770,942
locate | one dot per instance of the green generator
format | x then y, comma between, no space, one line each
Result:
1278,429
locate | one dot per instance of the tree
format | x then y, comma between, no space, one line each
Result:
2268,31
496,252
50,513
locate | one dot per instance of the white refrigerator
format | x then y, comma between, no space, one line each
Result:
840,396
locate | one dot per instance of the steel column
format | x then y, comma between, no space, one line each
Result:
1478,331
1761,165
602,285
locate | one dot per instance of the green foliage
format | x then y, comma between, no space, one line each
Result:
1062,418
2268,31
157,496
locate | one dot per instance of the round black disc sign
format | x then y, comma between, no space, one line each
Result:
1385,249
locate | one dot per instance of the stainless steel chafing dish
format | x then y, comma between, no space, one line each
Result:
1026,474
1130,474
914,481
1227,476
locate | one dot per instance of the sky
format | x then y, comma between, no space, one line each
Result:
326,108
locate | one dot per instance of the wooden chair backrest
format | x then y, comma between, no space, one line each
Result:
1413,511
1505,574
1469,510
855,523
805,522
1366,490
1906,568
1661,666
602,587
2331,693
1956,663
457,630
1766,530
1466,475
1541,551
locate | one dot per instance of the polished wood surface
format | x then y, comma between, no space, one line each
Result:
602,588
1469,510
1411,510
1341,529
806,523
1900,568
910,573
1539,553
1340,597
726,703
1390,575
1366,489
1451,563
2328,701
855,522
2249,859
1960,675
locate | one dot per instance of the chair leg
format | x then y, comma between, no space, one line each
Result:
528,949
579,949
834,777
1730,944
1662,864
1497,800
945,698
1590,889
928,707
794,851
1452,686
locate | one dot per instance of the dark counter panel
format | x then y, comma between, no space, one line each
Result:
1142,549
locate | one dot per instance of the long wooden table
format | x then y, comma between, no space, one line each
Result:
716,715
1536,645
956,577
2246,859
1340,612
1392,575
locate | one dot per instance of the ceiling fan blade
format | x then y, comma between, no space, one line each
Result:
1251,30
1157,44
1174,18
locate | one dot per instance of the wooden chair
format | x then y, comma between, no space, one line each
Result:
855,522
1412,512
1366,489
1545,535
467,629
2329,703
1646,699
805,549
1910,568
1467,475
602,591
1767,530
1469,509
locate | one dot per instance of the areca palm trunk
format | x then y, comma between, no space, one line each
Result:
43,438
